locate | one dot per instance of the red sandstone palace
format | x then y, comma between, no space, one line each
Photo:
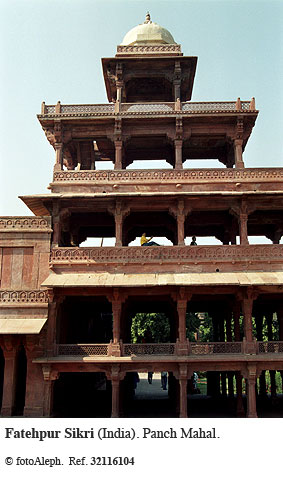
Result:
66,310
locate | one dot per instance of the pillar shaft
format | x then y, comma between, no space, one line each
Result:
115,398
118,155
34,404
116,309
238,151
243,222
9,384
182,310
119,230
183,397
247,308
251,397
178,154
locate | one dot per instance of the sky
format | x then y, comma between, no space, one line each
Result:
51,50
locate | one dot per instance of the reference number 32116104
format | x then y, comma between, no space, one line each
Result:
112,461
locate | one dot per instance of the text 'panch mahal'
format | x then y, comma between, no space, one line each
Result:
67,310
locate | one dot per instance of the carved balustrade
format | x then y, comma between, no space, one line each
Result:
137,108
159,175
269,347
173,254
82,349
206,348
167,349
149,349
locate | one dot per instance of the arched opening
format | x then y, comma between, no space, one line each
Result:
20,381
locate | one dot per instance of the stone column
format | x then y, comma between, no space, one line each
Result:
9,384
236,317
272,373
239,406
118,154
118,229
247,309
251,395
34,404
58,156
49,377
178,153
56,225
238,151
115,382
183,381
53,306
116,310
259,324
182,342
181,229
229,339
243,222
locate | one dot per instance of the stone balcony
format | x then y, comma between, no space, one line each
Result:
170,181
132,109
195,349
189,259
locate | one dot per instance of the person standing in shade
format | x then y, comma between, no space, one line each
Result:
164,380
149,377
194,241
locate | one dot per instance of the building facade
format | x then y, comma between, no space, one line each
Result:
66,310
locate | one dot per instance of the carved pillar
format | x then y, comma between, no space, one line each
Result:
118,154
236,317
251,395
183,382
53,306
259,325
116,310
238,151
243,222
230,375
58,156
280,322
272,373
182,341
115,378
178,153
247,309
9,384
239,407
181,229
56,225
118,229
34,403
49,377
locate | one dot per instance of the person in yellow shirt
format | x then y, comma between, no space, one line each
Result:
146,242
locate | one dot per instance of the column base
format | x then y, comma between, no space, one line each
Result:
33,412
182,348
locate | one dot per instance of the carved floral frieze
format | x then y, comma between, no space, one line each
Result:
23,296
167,254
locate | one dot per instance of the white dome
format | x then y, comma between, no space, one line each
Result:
148,33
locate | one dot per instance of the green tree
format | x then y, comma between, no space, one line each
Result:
150,327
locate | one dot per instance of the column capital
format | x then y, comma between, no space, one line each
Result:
49,374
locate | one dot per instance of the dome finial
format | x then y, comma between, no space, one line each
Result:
147,18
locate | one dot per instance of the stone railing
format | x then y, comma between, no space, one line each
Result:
171,176
168,349
205,348
137,108
149,49
82,349
149,349
269,347
21,297
151,254
33,224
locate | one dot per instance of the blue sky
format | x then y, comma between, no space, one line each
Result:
51,50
